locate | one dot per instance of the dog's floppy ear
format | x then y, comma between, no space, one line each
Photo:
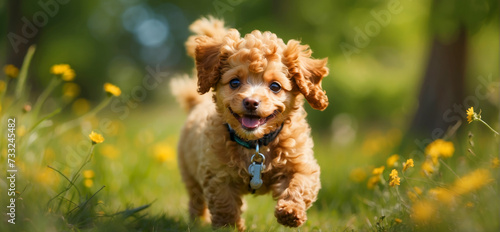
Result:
307,73
207,57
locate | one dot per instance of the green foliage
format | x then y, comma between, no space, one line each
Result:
448,16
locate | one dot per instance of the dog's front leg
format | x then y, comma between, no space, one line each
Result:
224,202
301,190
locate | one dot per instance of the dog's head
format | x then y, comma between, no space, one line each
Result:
258,79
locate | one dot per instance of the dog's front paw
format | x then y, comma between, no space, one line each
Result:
290,213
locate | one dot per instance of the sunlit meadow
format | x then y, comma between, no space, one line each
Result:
80,166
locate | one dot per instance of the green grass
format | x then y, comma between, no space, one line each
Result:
136,186
137,177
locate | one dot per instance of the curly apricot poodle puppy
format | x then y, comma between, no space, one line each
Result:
250,135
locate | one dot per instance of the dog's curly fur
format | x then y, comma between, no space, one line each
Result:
214,168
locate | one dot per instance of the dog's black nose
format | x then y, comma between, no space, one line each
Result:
251,104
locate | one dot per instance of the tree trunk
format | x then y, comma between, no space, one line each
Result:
442,86
15,25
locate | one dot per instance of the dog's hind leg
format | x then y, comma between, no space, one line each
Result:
197,203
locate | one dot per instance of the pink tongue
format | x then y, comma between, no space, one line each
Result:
250,122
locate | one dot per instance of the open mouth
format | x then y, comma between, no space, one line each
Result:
250,121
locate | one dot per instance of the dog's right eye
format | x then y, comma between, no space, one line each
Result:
234,83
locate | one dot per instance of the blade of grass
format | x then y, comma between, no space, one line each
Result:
129,212
55,112
71,184
44,95
87,201
23,73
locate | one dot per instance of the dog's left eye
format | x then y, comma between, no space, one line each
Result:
234,83
275,87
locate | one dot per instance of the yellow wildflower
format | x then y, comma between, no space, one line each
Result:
357,175
373,181
423,211
412,196
70,90
407,164
432,149
112,89
391,161
59,69
88,174
88,183
69,75
80,106
96,138
470,114
434,160
21,131
442,195
397,220
428,167
395,181
469,205
378,171
440,148
394,178
472,181
11,71
64,71
163,152
447,149
495,163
